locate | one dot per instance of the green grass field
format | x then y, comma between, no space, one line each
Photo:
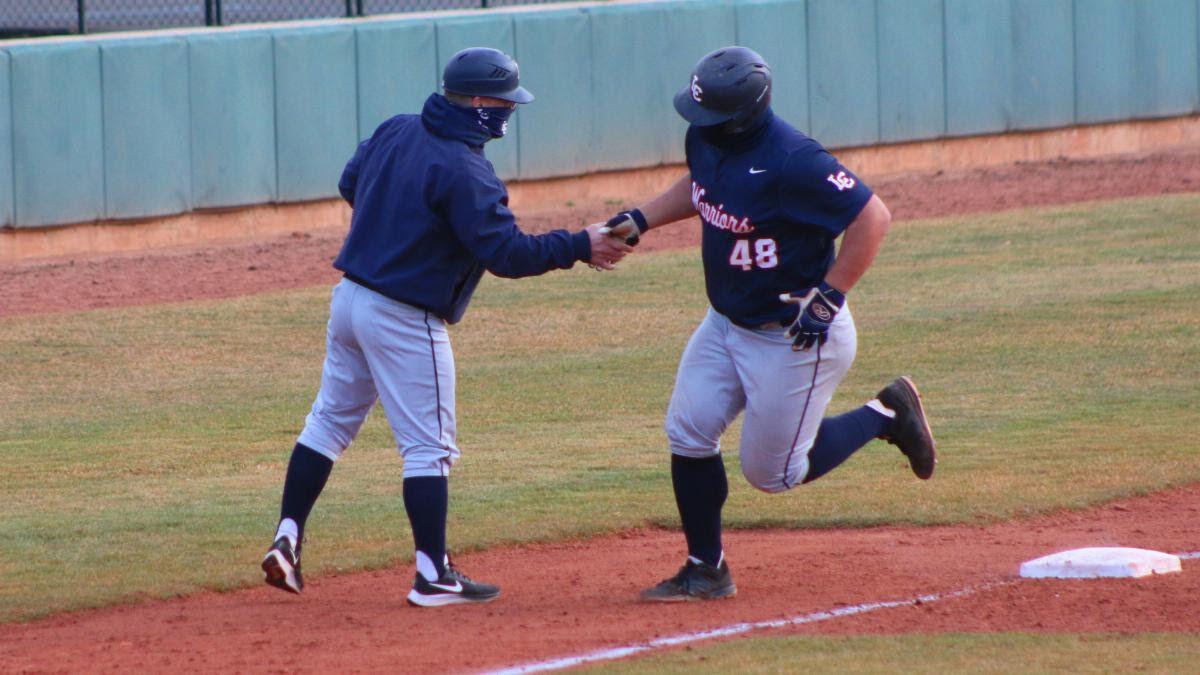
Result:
999,653
145,447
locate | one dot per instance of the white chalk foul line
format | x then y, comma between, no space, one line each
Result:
734,629
612,653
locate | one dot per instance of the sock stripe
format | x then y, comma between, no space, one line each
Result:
878,406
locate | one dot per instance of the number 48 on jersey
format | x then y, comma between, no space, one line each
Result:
765,256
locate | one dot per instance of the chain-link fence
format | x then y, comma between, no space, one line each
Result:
25,18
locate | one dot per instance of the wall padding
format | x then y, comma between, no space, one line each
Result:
233,118
1165,54
554,50
316,110
629,90
1104,60
397,70
1043,74
147,148
979,38
6,135
843,72
138,126
912,88
58,146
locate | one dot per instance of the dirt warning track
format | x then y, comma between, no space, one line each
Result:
303,259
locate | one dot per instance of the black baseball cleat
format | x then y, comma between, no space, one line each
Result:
282,565
909,430
452,588
695,581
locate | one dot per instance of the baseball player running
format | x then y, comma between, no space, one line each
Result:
778,337
430,216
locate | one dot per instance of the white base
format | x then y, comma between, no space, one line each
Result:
1091,563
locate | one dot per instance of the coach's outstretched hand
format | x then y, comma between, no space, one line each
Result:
607,250
818,306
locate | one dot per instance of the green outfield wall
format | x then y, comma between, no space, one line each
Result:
135,126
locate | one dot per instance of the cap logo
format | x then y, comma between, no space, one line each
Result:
697,92
498,73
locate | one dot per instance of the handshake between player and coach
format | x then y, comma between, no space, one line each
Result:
430,215
817,306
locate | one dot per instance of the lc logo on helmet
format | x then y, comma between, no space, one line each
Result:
697,92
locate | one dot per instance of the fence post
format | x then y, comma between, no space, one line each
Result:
82,19
208,17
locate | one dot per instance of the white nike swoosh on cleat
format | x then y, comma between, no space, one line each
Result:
754,171
456,588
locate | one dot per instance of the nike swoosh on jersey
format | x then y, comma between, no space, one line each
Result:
754,171
456,588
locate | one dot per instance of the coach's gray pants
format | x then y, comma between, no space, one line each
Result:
381,349
726,369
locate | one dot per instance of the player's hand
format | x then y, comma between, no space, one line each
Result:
818,307
627,225
607,250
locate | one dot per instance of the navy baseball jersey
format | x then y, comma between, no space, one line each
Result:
772,202
430,214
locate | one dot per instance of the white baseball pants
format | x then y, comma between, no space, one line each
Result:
726,369
381,349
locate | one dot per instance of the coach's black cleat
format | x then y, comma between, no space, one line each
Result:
452,588
909,430
282,565
695,581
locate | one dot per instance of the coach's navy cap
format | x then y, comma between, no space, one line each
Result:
482,71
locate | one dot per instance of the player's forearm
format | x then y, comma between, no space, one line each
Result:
674,203
860,244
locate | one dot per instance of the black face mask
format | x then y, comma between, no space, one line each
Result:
495,119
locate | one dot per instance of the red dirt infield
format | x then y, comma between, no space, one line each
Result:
570,598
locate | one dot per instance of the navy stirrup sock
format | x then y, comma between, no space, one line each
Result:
842,436
306,475
427,498
700,491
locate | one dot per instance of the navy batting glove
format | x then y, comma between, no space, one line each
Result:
818,306
628,224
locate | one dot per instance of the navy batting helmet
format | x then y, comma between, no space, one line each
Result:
732,84
482,71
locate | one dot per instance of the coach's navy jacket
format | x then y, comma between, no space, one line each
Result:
430,214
